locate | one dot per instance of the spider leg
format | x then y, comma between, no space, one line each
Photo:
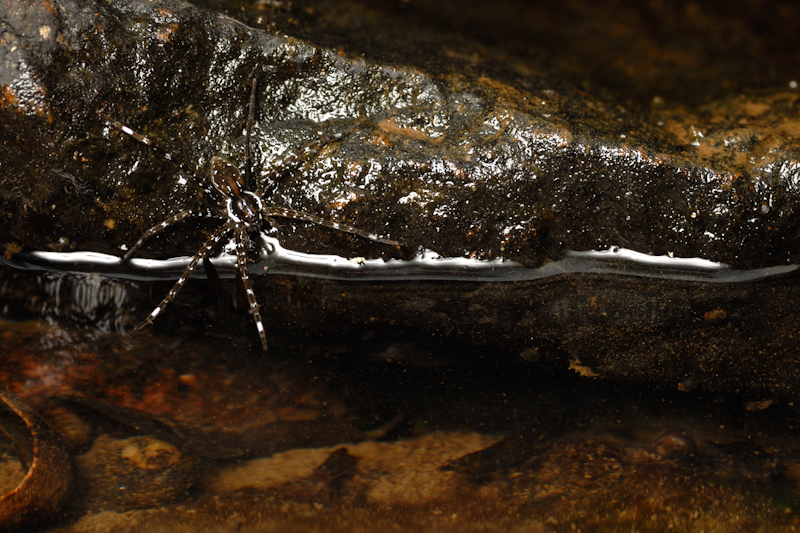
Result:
169,156
209,244
248,162
154,230
299,215
307,151
241,264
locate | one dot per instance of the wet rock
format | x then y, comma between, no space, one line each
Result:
463,163
76,432
11,471
135,473
48,480
267,473
330,477
598,325
401,473
674,445
468,154
258,439
318,475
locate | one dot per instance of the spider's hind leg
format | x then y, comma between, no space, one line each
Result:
272,179
241,263
283,212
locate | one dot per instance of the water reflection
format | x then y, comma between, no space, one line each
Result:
171,427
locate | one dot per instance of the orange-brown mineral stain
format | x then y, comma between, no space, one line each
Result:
11,99
165,35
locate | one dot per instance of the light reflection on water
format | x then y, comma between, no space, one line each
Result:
427,265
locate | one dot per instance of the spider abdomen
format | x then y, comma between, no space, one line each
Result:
225,177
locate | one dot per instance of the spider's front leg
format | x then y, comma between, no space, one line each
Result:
203,252
158,228
169,156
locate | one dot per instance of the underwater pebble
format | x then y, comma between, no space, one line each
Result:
135,473
76,432
673,445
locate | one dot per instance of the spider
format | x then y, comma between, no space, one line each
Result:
242,209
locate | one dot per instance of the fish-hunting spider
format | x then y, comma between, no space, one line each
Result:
242,208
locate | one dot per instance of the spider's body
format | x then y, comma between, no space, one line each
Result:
241,208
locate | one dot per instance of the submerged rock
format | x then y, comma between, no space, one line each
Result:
449,152
135,473
49,476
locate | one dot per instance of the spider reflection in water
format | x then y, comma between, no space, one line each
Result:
242,209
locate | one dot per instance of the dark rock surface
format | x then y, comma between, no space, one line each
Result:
449,155
669,129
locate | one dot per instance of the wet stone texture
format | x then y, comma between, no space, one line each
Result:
514,132
675,147
457,160
453,151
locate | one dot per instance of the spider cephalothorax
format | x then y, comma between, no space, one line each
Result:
241,208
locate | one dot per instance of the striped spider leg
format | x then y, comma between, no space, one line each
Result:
241,208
